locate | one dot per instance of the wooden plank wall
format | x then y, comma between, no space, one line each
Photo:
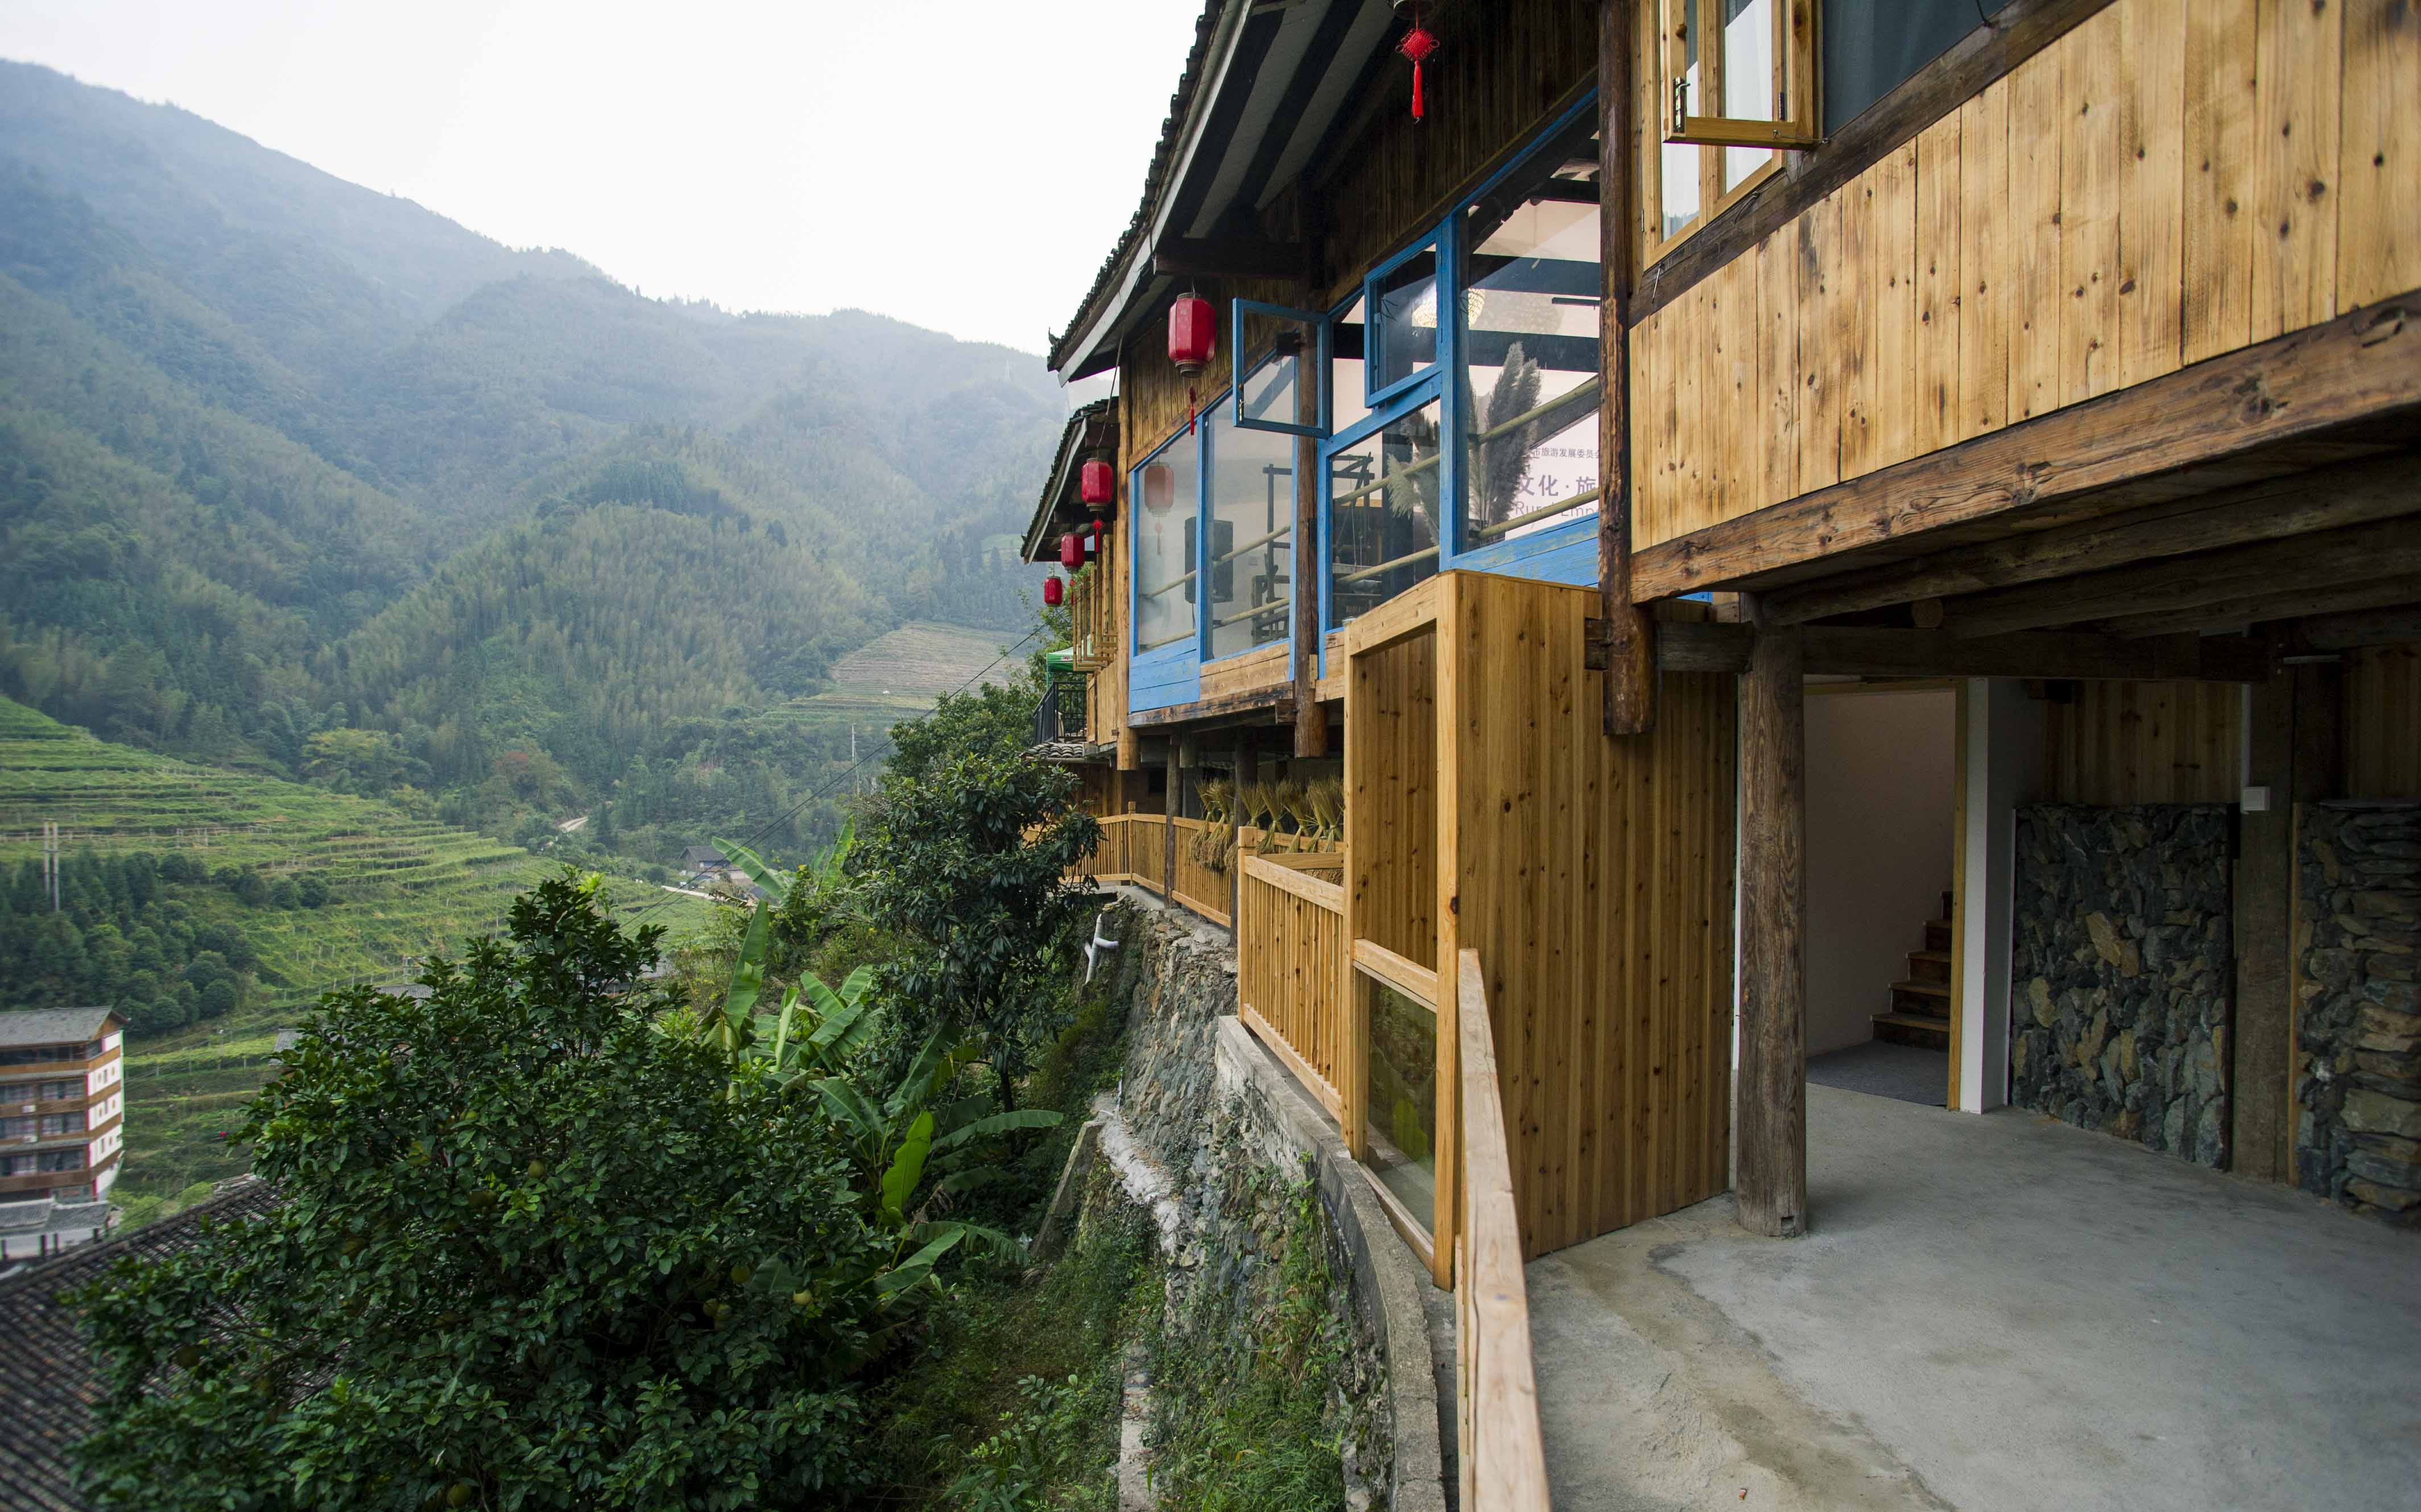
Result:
1594,877
1499,71
2382,723
2146,743
2168,182
1391,815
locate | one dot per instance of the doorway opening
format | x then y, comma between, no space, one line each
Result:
1883,789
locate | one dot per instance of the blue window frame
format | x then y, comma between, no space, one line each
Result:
1405,340
1267,375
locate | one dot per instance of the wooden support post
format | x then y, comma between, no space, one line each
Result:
1310,569
1769,1102
1630,634
1174,808
2262,1078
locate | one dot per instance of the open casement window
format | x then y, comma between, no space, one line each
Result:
1280,359
1738,84
1740,72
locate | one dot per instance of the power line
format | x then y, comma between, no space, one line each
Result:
792,812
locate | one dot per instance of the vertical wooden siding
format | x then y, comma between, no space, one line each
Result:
2168,182
2382,723
1391,762
1594,877
1501,68
2146,743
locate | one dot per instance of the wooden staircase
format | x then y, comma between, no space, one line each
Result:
1920,1004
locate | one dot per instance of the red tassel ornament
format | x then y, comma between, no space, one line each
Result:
1419,44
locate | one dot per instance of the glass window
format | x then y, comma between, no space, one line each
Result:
1384,518
1251,536
17,1128
1169,487
1407,297
1346,392
63,1123
1532,289
1748,80
1678,171
1872,46
1403,1098
59,1091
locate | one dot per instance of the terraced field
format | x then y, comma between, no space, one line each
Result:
919,661
400,889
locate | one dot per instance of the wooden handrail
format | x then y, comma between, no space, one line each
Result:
1410,977
1496,1390
1288,879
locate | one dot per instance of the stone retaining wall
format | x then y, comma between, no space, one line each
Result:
1230,1131
2358,1023
2122,973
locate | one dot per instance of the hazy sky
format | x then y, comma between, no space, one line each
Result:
961,165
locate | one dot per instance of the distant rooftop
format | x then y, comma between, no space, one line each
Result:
52,1027
46,1377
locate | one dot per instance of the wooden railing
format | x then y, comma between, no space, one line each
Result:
1197,883
1495,1384
1291,987
1092,624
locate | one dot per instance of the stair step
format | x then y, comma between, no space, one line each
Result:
1908,1029
1928,966
1940,990
1937,934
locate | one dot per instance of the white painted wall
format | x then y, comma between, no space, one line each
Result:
1881,770
2005,734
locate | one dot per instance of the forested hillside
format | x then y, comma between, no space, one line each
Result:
299,477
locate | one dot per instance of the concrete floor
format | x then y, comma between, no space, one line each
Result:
1990,1313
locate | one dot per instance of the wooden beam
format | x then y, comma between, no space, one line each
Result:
1276,701
2366,364
2017,31
2264,569
2390,626
1770,1113
1861,653
2350,494
1227,256
1631,634
2259,608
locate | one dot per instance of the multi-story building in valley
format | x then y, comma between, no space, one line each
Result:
62,1112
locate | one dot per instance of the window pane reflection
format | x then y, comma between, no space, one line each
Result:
1169,487
1384,514
1251,536
1529,354
1401,1124
1408,319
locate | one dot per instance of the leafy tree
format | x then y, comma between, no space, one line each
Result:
530,1250
370,762
967,861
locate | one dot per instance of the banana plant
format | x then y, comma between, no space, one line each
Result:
911,1150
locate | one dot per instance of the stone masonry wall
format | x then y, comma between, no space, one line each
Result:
2358,1024
1207,1109
2122,973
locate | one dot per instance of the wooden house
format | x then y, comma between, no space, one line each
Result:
2060,358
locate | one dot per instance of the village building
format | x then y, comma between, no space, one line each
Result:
62,1110
1634,553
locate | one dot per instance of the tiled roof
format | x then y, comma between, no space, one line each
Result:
1154,180
47,1389
52,1027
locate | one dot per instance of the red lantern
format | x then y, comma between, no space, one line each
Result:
1419,44
1193,336
1098,486
1072,551
1054,591
1160,488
